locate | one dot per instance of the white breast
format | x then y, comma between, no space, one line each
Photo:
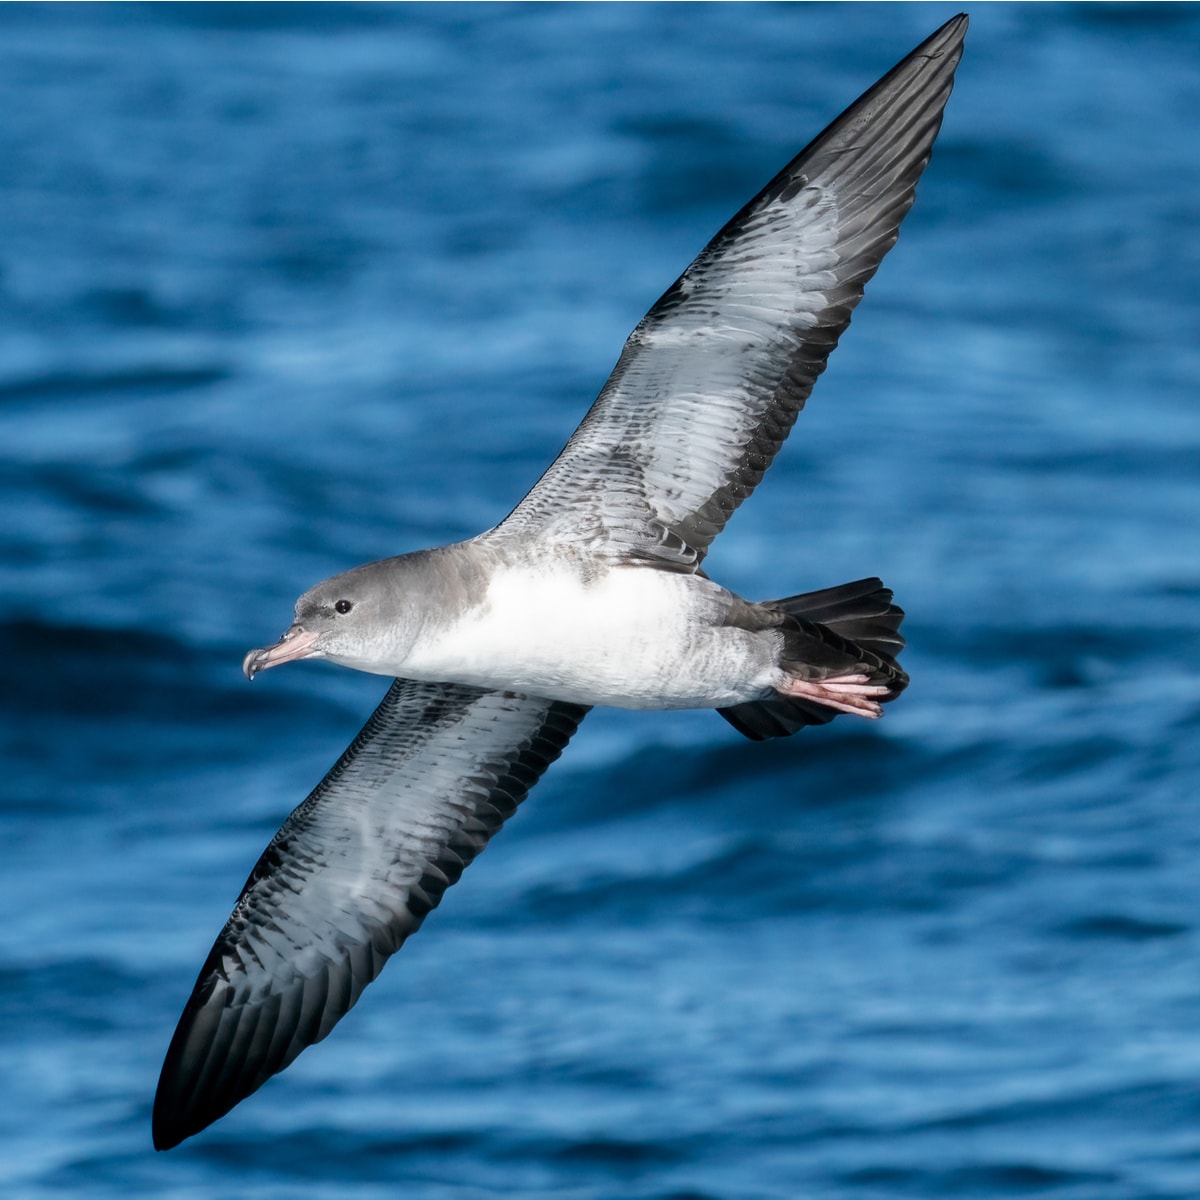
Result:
635,637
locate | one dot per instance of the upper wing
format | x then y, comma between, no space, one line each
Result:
709,384
352,872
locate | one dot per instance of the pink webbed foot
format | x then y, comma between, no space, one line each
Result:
846,693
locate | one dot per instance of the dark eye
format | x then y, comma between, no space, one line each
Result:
343,606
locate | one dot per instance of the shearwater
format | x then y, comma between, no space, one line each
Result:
590,592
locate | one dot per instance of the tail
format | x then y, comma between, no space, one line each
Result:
851,628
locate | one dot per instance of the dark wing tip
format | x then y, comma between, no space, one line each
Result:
174,1121
224,1049
167,1129
204,1074
904,109
180,1109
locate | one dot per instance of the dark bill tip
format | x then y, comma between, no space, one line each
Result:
297,643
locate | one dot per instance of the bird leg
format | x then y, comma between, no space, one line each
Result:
845,693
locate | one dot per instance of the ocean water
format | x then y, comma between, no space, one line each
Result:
283,290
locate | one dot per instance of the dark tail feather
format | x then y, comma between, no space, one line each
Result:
829,632
861,612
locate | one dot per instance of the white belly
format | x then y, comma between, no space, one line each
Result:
634,637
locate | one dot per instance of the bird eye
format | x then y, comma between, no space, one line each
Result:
343,606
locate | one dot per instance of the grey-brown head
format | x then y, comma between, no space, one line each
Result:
356,619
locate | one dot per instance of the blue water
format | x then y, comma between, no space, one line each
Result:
284,290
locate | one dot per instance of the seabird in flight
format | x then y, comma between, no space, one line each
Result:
590,592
